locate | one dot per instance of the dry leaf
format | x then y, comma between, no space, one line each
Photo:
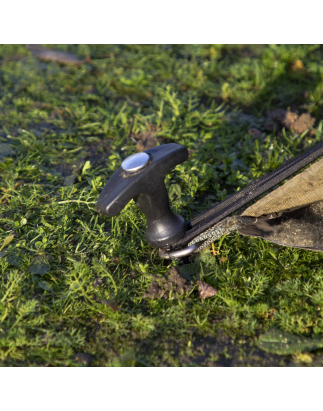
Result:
206,290
297,65
55,55
111,304
7,240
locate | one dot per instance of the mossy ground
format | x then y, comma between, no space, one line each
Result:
74,284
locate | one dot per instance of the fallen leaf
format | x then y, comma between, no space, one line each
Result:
23,221
206,290
111,304
7,240
56,55
297,65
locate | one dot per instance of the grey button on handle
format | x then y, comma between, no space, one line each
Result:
135,163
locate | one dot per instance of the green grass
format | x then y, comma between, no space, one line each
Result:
73,281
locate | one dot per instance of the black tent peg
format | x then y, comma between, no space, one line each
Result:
291,215
141,177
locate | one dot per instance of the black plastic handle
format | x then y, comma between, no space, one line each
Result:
147,187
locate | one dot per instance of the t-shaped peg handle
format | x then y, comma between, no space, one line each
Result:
141,176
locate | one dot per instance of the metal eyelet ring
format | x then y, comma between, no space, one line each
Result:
180,253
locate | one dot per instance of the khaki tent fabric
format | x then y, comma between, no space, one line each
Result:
304,189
